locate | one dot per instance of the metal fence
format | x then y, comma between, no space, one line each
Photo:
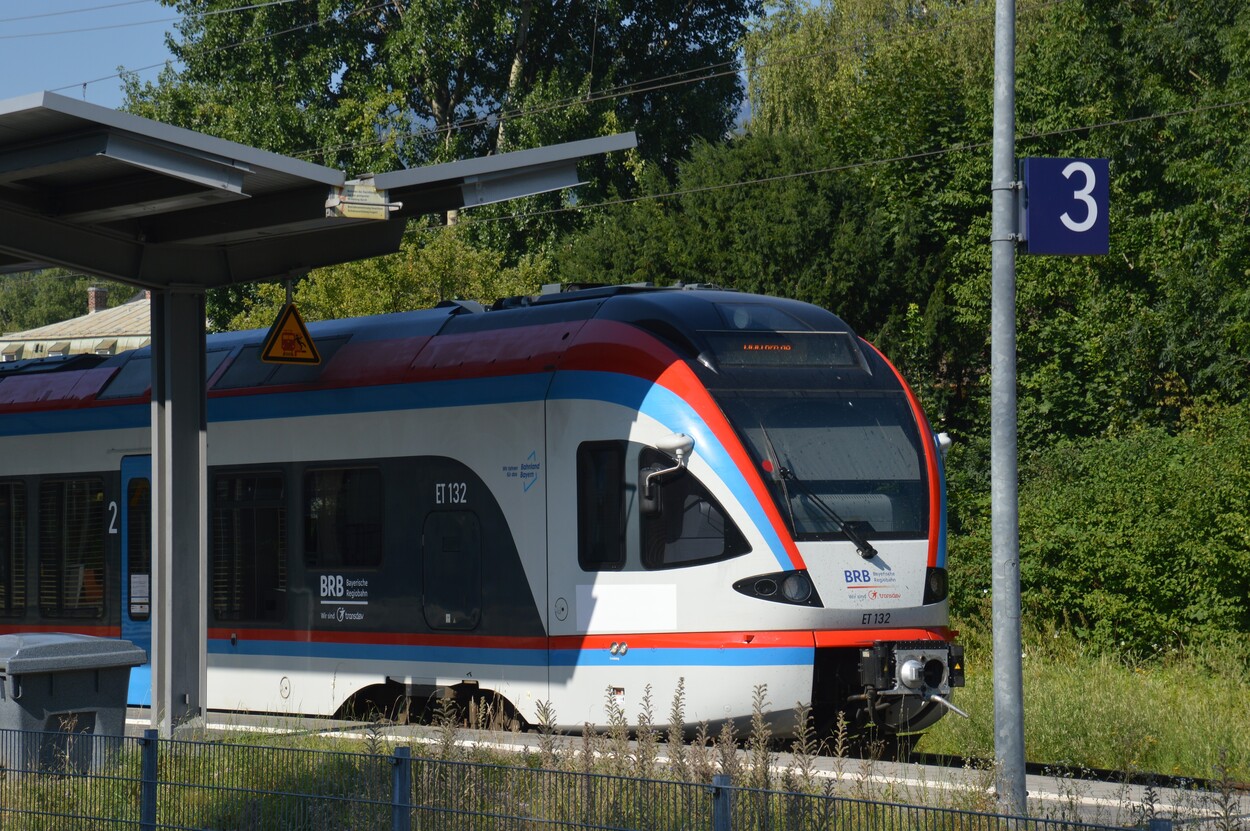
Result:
80,781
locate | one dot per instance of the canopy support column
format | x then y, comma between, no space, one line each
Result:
180,509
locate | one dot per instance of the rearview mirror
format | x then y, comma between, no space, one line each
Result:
677,446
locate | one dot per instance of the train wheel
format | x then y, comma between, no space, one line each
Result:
379,702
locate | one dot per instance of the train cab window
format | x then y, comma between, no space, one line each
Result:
71,548
12,549
343,518
601,506
139,548
249,568
683,525
452,570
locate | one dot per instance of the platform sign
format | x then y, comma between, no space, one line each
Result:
1065,206
288,341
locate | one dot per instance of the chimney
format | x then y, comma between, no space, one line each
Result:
97,299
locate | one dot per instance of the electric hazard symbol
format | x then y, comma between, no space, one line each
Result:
288,341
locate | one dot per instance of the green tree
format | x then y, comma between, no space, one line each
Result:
32,299
1139,542
434,264
374,87
369,86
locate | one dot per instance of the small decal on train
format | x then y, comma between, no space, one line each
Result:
527,472
343,615
336,586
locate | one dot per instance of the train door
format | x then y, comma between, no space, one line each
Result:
136,533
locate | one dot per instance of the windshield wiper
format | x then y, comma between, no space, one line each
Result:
862,546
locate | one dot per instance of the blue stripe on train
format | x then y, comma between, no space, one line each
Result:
494,656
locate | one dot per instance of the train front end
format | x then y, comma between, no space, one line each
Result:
841,479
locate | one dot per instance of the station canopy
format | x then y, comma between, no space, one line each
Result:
123,197
118,196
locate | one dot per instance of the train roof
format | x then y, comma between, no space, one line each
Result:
681,316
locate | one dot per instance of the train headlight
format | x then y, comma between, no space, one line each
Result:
935,585
797,588
794,587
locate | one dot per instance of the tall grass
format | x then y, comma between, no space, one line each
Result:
1177,714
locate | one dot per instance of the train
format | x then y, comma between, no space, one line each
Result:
562,502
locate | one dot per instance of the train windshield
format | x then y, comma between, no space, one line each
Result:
835,459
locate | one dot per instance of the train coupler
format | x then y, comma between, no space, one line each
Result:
929,669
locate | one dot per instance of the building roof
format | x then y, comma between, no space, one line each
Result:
131,319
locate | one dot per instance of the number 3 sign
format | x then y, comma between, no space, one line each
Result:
1064,206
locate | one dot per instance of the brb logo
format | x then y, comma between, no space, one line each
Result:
857,575
331,585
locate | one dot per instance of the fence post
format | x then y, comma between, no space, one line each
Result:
721,819
147,789
401,789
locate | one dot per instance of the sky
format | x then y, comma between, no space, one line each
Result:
58,45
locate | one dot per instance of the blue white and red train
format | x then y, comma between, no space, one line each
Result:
561,499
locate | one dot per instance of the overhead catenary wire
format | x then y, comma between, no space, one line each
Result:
656,83
65,12
676,79
842,168
127,25
252,41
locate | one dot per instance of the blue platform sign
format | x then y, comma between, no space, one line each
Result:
1065,206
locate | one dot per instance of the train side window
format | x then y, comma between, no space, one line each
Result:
689,527
343,518
452,570
71,548
139,547
601,506
12,549
249,568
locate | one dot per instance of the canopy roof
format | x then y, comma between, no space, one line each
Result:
109,193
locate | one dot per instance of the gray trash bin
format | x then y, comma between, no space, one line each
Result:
67,694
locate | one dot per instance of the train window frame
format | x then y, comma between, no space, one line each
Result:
232,607
602,463
320,559
72,547
680,487
14,533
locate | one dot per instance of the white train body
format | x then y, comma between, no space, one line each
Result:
475,501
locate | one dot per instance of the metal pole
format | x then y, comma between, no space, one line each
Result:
722,810
1005,510
401,789
148,779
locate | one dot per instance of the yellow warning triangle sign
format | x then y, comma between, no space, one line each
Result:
288,341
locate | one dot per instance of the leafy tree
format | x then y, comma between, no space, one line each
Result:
377,86
433,265
32,299
1139,542
1104,344
373,86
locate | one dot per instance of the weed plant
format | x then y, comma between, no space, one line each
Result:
613,778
